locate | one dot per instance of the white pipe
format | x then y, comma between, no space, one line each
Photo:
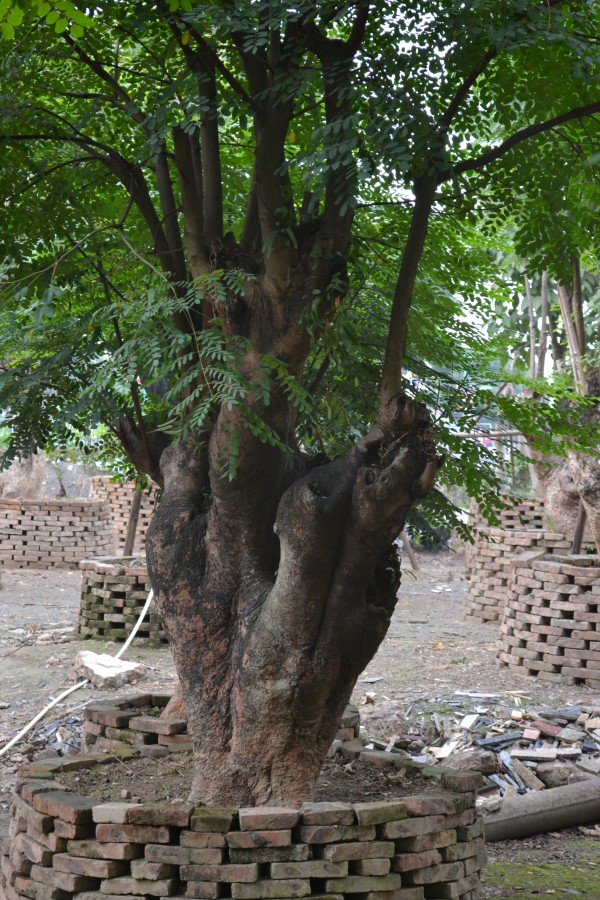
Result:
135,628
80,684
40,715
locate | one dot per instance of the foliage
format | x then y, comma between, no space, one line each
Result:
92,103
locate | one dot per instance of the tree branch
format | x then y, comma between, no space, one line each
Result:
358,27
391,378
494,153
169,213
446,119
189,168
212,58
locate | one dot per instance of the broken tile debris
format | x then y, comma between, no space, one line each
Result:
516,747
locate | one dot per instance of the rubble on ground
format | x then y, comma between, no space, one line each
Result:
517,747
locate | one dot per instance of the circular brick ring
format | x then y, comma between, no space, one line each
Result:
69,846
551,623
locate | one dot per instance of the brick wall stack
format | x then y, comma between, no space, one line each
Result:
489,562
64,845
109,725
551,623
113,592
53,533
522,528
119,498
526,515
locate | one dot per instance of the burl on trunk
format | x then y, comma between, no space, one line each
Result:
275,589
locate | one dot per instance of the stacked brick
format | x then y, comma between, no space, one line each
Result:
551,623
489,562
135,722
65,846
113,592
119,498
53,533
526,515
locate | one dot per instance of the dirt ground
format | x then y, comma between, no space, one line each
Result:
430,663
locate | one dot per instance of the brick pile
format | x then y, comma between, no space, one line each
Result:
53,533
119,498
64,846
551,623
113,592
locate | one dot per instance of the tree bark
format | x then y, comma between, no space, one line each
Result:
271,625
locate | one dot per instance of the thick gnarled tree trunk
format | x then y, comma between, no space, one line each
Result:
276,595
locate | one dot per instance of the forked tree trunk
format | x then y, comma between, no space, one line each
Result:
276,595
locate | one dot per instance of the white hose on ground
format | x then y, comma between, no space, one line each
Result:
80,684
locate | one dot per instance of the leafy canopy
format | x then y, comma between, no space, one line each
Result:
112,310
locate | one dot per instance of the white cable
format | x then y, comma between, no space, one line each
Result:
80,684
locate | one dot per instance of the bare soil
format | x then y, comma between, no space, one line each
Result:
167,779
430,662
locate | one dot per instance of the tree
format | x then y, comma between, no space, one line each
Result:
251,142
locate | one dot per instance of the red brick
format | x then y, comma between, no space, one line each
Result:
102,850
328,834
271,889
213,819
432,874
245,840
412,827
32,850
128,885
434,805
267,818
428,841
142,869
201,839
462,781
378,813
227,872
65,881
354,884
463,850
206,856
371,867
71,808
69,830
177,856
359,850
134,834
293,853
50,840
407,862
203,890
153,725
178,814
32,786
470,832
95,868
327,814
40,822
313,868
